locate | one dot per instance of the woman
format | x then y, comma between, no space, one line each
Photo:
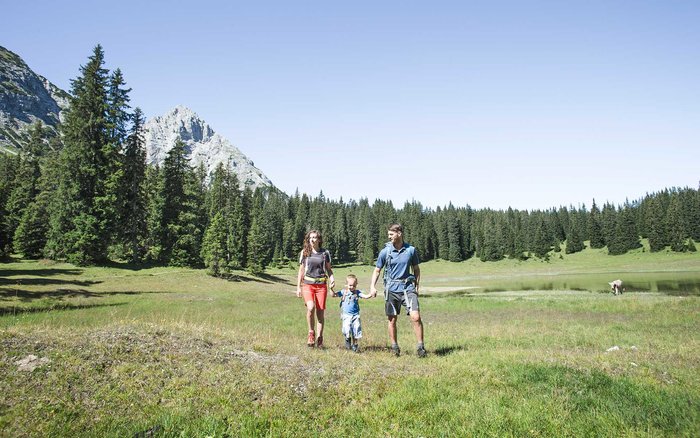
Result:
312,283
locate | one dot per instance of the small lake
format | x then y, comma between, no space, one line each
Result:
670,283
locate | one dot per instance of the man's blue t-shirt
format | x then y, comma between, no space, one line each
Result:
399,267
349,302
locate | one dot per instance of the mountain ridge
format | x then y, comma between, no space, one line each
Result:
26,97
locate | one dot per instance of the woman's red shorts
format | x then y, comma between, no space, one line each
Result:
316,293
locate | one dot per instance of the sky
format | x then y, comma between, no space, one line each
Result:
491,104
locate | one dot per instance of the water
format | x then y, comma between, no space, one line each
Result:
671,283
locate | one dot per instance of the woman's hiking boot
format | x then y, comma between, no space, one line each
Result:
355,348
319,342
395,350
312,339
420,351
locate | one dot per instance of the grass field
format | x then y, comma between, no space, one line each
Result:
114,351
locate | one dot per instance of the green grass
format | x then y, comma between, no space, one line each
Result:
174,352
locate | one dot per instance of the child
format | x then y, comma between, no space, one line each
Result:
350,312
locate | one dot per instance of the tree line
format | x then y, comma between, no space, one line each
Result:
87,196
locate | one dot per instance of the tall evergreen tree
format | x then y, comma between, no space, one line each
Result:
84,207
595,231
574,241
133,211
26,183
626,234
656,224
676,226
8,171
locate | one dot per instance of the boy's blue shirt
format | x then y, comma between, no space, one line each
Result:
350,304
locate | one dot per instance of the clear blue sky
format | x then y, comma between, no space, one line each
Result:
492,104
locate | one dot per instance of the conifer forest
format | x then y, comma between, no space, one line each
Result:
85,194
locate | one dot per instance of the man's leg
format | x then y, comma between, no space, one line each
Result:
417,325
418,330
392,335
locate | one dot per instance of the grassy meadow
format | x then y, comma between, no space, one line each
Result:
117,351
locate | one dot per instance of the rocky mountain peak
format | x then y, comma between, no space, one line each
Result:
202,144
25,97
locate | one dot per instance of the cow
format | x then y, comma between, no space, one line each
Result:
616,287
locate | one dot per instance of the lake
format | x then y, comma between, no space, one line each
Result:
682,283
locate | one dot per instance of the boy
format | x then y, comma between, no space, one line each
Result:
350,312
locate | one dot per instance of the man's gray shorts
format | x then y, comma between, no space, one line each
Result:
397,299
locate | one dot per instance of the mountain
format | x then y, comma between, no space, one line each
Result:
25,97
203,145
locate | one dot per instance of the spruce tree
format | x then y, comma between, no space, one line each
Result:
133,212
259,250
676,226
8,170
176,170
84,207
595,231
574,241
656,224
26,182
214,248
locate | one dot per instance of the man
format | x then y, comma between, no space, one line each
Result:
400,285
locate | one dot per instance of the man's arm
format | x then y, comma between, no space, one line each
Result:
416,273
373,283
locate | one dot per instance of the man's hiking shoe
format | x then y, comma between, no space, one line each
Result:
395,350
355,348
312,339
420,351
319,342
347,343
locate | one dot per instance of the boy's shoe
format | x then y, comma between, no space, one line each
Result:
319,342
355,348
312,339
396,351
348,344
420,351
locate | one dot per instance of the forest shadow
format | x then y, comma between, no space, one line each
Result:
260,278
45,281
4,311
28,295
38,272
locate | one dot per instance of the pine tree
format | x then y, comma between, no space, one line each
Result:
155,192
83,211
26,182
454,235
656,224
676,226
259,250
595,231
239,228
133,211
608,223
191,221
626,234
542,242
574,241
176,169
214,248
8,171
